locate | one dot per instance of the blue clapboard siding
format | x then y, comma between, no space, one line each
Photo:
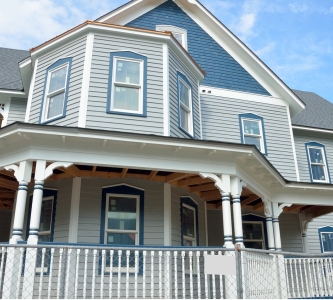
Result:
17,110
220,123
303,166
97,118
175,64
76,50
223,71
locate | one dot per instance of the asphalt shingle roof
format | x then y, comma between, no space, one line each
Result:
317,113
10,77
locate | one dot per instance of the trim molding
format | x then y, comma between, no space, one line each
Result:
74,213
167,214
166,74
326,229
31,92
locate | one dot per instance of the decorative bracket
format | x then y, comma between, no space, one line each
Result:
217,181
268,207
21,172
278,209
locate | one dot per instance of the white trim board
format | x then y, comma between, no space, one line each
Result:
74,212
329,131
166,103
31,91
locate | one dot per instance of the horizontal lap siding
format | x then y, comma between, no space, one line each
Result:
90,210
76,50
220,122
97,117
17,109
312,233
175,64
302,159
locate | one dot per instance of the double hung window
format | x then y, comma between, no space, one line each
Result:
188,225
253,234
326,241
127,91
56,91
317,162
185,104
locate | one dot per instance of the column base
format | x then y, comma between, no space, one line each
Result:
32,240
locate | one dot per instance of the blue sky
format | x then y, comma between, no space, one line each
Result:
294,38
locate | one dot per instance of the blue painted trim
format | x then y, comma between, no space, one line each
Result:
318,145
53,66
255,117
184,78
126,190
328,229
251,217
188,201
128,54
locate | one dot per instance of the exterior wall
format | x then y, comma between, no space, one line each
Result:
176,193
177,65
220,122
300,140
17,110
97,117
215,227
223,71
313,237
76,50
5,221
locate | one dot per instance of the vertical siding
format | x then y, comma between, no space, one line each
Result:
175,65
313,237
96,115
76,50
17,110
90,210
176,193
302,160
220,122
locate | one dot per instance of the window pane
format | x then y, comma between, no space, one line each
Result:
253,141
316,156
184,116
126,98
120,238
327,240
251,127
46,216
188,221
178,37
184,94
122,213
252,231
58,79
56,105
254,245
127,72
318,172
188,243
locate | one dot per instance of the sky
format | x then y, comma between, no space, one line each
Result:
294,38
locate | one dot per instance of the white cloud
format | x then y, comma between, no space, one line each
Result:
244,27
267,49
297,7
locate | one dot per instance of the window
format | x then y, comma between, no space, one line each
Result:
318,168
253,234
189,222
252,131
185,105
326,238
180,34
55,91
127,84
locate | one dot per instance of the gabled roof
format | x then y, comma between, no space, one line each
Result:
10,77
318,112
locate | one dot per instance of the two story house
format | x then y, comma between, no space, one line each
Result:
153,127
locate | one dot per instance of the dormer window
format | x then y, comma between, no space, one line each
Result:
180,34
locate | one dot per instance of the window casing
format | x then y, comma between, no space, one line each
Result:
127,84
180,34
188,226
55,91
326,241
317,161
253,234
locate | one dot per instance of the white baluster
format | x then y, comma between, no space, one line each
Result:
19,276
127,272
221,280
329,275
111,274
305,267
2,272
102,274
50,275
183,273
206,280
152,274
160,253
119,271
296,279
191,275
315,278
213,280
41,275
301,276
320,285
311,281
67,272
59,272
136,255
77,273
175,255
94,274
144,275
86,252
198,274
286,261
167,276
323,276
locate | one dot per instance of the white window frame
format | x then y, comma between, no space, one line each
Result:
136,232
318,164
115,84
322,242
188,238
261,136
175,30
188,109
49,95
263,241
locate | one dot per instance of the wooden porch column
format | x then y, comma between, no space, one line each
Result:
269,224
277,210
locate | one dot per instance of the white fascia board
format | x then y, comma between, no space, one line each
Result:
311,129
26,74
166,100
13,93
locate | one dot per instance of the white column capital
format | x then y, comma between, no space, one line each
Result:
222,183
278,209
236,185
22,172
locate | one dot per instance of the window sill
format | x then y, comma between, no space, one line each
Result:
187,133
143,115
52,120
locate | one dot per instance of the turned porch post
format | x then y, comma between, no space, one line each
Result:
277,210
269,224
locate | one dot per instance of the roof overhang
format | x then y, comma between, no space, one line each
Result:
312,129
222,35
26,73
